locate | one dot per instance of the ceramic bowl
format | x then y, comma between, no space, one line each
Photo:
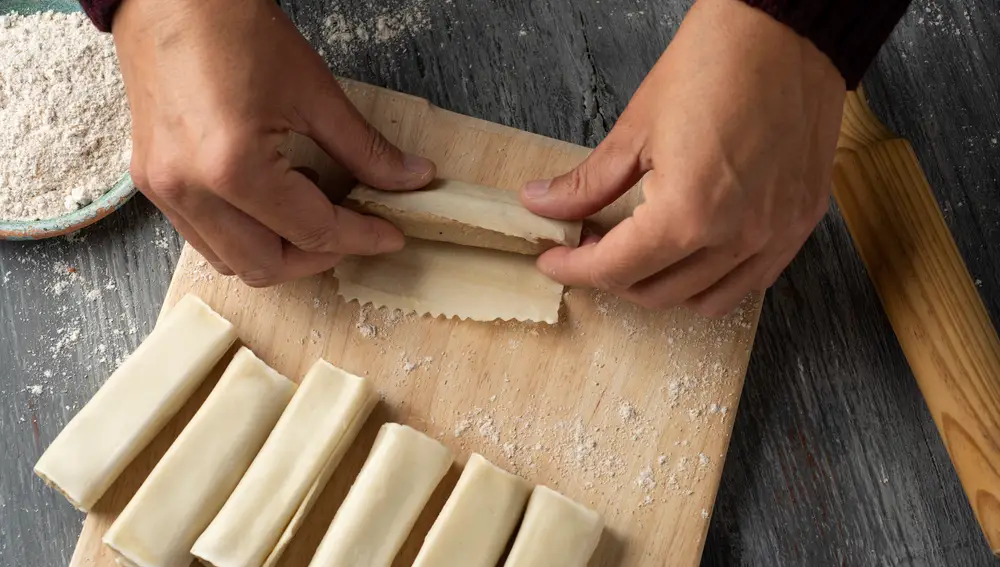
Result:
115,197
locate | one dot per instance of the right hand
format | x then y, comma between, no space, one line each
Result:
214,87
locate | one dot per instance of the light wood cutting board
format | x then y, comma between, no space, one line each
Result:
627,411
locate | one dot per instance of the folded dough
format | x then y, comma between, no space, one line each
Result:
466,214
556,532
397,480
136,402
271,500
478,519
439,278
200,470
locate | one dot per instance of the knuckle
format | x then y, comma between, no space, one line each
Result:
652,302
264,276
576,181
138,172
164,180
323,238
816,215
377,148
223,269
222,164
607,278
709,307
756,235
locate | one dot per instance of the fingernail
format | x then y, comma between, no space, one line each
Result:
537,189
417,165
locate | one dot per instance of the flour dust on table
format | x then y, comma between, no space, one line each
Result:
64,118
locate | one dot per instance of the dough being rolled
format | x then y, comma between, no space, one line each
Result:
136,402
466,214
397,480
555,532
478,519
259,519
193,479
439,278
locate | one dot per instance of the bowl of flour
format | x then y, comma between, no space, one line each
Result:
65,127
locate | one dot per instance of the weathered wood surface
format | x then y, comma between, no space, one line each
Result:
834,460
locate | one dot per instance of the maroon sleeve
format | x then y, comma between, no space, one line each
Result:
100,12
850,32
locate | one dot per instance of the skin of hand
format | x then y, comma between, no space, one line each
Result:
733,134
214,87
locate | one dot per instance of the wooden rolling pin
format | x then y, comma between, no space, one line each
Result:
929,297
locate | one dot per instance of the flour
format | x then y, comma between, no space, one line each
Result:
64,118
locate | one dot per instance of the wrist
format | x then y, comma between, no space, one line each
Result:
756,42
848,32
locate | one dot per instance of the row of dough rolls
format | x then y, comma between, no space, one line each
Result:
401,473
237,483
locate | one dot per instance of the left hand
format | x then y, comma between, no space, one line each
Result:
735,130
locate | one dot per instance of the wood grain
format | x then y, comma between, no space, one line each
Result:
626,410
929,297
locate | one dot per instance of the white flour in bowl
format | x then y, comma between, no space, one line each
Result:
64,119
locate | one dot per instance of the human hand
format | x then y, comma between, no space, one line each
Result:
215,86
735,130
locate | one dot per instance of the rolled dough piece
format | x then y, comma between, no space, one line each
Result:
466,214
440,278
555,532
136,402
478,519
398,478
200,470
268,505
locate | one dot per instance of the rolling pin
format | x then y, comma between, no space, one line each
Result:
929,297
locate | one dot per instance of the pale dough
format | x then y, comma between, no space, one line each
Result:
555,532
478,519
136,402
466,214
398,478
273,497
440,278
200,470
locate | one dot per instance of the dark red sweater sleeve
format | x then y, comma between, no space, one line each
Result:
101,12
849,32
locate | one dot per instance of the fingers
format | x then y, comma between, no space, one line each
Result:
252,251
337,126
295,208
189,234
727,294
605,175
637,248
687,278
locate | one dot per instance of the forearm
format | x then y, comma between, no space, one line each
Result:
849,32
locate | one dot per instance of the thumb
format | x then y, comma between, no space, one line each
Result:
343,133
607,173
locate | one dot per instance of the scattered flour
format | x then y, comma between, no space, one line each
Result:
64,119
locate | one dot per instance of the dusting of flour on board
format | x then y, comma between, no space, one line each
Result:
542,432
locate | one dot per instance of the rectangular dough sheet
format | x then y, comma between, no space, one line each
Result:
466,214
478,519
555,532
272,499
200,470
395,483
440,278
136,402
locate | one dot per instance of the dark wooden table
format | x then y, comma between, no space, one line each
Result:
835,459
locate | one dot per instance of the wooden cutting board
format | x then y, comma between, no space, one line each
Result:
625,410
